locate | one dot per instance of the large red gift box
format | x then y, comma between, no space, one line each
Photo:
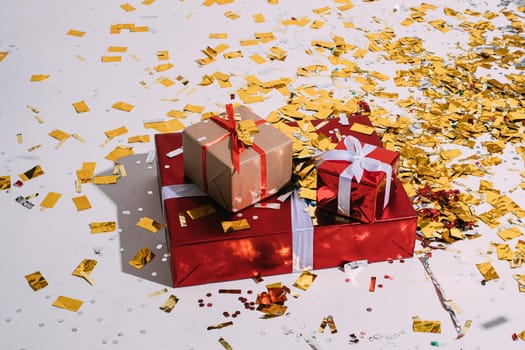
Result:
356,179
278,241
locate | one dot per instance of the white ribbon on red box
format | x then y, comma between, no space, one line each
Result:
357,155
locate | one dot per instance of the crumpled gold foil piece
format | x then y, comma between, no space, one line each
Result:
169,304
237,225
36,280
305,280
143,256
84,270
487,271
426,326
200,211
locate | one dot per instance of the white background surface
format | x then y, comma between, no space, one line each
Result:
117,311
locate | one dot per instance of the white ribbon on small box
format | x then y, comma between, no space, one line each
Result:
357,155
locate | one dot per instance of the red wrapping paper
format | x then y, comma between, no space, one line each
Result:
201,253
367,196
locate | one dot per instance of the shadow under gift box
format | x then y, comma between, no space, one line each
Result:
264,167
202,253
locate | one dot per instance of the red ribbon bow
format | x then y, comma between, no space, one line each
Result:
237,146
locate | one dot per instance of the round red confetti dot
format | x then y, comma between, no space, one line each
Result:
237,312
347,280
201,304
240,298
390,261
252,303
200,301
234,315
252,308
249,291
369,309
514,336
379,285
208,295
402,261
226,314
388,277
209,305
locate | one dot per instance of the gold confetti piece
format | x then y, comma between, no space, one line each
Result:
163,55
3,55
363,129
163,67
35,171
225,344
149,224
201,211
169,304
127,7
167,82
218,35
143,256
85,174
183,80
236,225
5,182
33,148
36,280
19,138
276,53
258,59
81,203
426,326
305,280
158,292
50,200
116,132
233,54
148,2
59,135
39,120
67,303
504,252
39,77
84,270
105,180
120,170
182,220
117,49
80,57
81,107
102,227
111,59
219,325
119,152
487,271
138,138
509,234
258,18
316,24
193,108
75,32
231,15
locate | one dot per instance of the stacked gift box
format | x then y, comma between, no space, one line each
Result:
232,211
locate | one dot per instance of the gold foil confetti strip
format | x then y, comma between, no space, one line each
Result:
33,109
3,54
119,169
517,259
426,326
119,152
19,138
102,227
272,310
127,7
363,129
510,233
236,225
487,271
36,280
32,173
117,49
75,32
39,120
68,303
39,77
81,203
323,325
78,138
139,138
331,324
219,325
85,174
158,292
84,270
163,55
305,280
50,200
105,179
225,344
149,224
5,182
143,256
123,106
107,59
200,211
81,107
34,148
169,304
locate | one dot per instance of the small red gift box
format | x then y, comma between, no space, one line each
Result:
356,179
278,241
